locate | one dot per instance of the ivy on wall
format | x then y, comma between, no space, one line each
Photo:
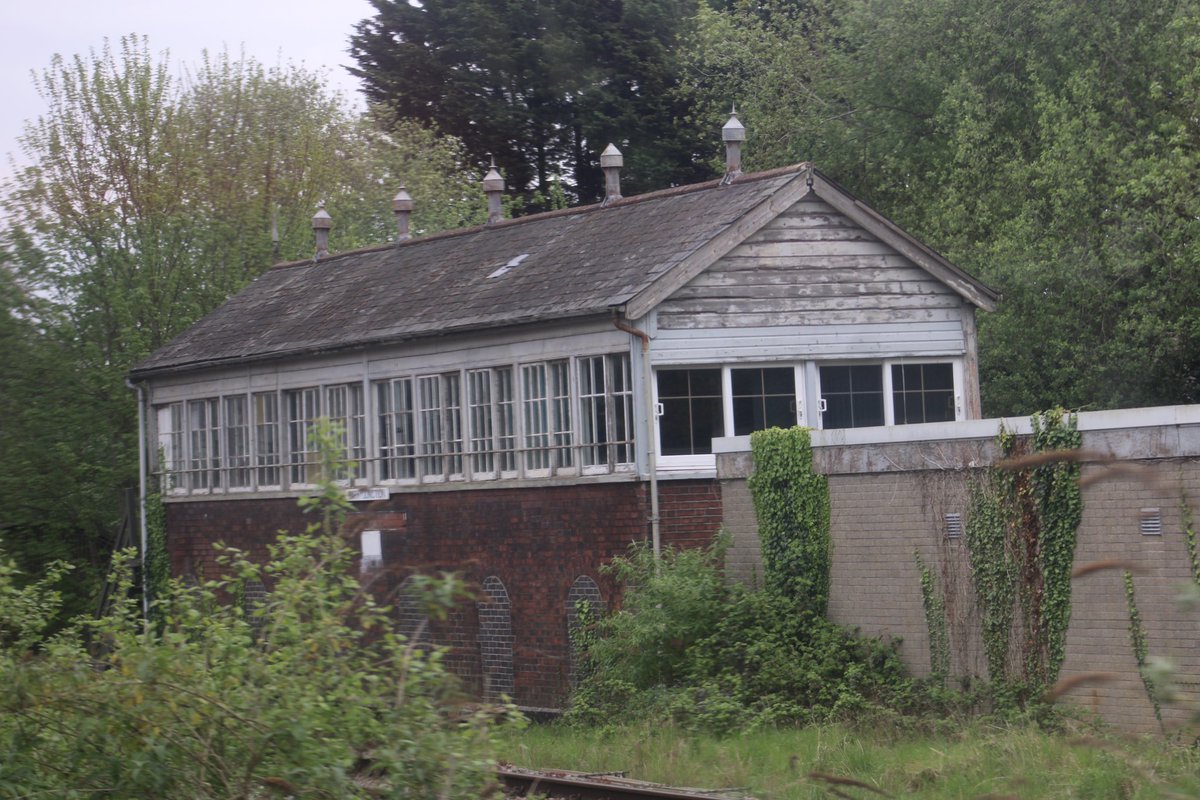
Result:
791,503
1137,639
1021,535
157,563
934,602
1189,537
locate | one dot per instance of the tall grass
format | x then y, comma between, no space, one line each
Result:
784,764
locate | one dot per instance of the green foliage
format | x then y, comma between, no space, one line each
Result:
144,201
325,702
714,656
1058,501
1021,539
934,603
542,87
1189,538
1049,152
791,503
1137,640
157,559
993,567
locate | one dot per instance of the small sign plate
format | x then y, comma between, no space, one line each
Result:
364,495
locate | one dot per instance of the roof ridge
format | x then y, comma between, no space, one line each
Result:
657,194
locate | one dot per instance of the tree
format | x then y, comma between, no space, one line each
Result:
1049,151
149,199
541,87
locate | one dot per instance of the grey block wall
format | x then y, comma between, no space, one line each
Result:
889,500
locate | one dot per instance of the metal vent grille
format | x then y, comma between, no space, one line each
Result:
1151,522
954,527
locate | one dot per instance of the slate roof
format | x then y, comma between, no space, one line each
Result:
558,265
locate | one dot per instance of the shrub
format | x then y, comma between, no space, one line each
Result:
713,656
317,699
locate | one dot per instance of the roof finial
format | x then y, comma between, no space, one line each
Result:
734,133
402,205
611,162
493,187
321,223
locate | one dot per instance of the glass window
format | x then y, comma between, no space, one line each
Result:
303,409
237,441
205,443
397,445
536,416
480,413
171,430
763,398
266,438
692,413
922,393
429,389
606,411
560,412
344,406
853,396
506,420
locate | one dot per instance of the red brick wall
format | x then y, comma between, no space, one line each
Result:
537,541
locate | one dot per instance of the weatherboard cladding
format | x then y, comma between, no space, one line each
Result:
579,262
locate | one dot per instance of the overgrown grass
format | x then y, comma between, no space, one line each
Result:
776,764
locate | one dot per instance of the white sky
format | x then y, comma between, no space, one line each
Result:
314,33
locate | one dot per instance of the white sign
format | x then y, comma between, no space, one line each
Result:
362,495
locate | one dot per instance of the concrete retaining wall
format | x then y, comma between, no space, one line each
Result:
891,490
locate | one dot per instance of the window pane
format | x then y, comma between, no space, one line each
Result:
868,409
689,422
237,441
866,378
923,393
672,383
763,397
266,438
853,396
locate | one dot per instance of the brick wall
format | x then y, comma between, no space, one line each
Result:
531,542
889,499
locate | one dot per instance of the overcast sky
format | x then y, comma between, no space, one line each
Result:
312,32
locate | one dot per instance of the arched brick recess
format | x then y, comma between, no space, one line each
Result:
584,588
495,639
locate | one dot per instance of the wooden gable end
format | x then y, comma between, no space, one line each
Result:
813,283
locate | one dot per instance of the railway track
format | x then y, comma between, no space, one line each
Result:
567,785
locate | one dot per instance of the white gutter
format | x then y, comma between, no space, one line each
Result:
141,401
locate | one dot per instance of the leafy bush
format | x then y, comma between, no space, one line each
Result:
714,656
318,698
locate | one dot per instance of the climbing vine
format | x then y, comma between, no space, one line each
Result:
791,502
1189,535
157,563
934,602
1021,541
1137,638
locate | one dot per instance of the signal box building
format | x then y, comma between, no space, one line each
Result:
523,399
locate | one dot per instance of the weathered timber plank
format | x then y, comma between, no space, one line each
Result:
748,290
818,261
813,205
791,249
791,221
715,319
772,234
787,305
798,278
